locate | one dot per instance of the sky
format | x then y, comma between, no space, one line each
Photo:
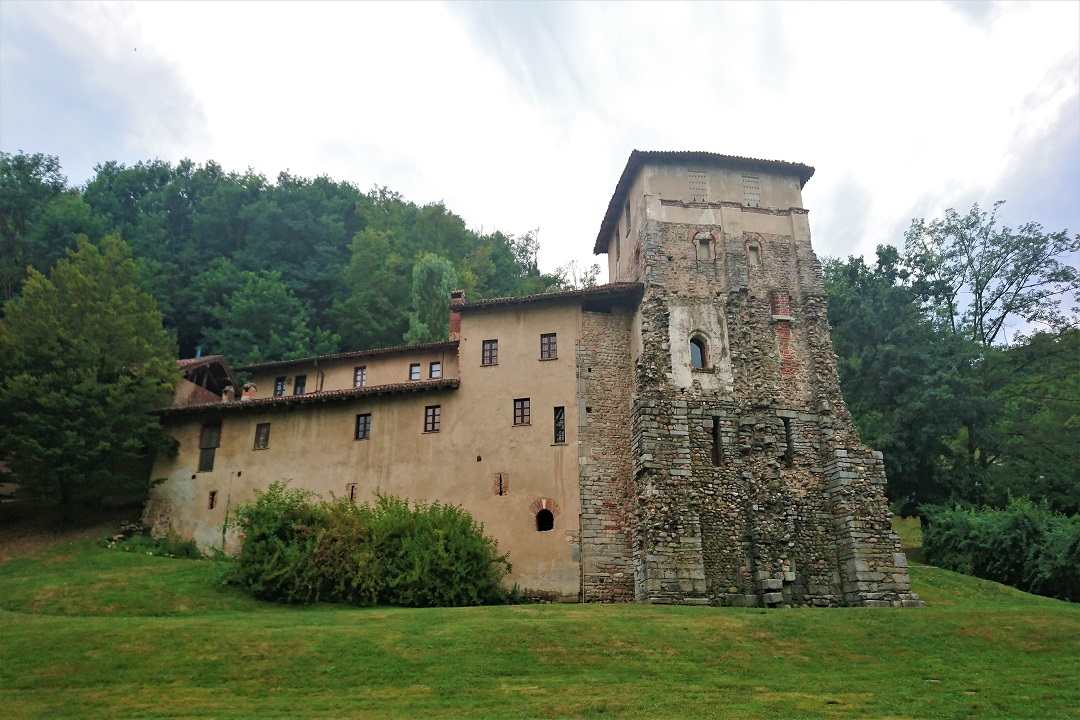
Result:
520,116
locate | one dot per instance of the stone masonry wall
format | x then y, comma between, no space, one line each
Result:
762,495
607,507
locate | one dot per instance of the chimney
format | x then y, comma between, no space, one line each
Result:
457,298
249,392
227,394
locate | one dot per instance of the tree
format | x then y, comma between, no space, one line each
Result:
263,321
83,359
433,278
902,378
1037,388
975,276
28,183
960,416
574,276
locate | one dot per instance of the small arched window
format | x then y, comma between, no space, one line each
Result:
544,520
698,353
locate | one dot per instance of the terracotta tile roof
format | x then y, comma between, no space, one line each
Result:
189,363
664,157
351,354
314,397
614,291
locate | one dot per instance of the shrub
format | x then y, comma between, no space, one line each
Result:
436,556
1025,545
346,554
277,560
298,549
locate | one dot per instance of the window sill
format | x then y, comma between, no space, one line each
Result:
521,425
708,371
547,359
431,432
483,365
363,438
562,444
262,448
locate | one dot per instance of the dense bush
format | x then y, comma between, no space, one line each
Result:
299,549
1025,545
281,530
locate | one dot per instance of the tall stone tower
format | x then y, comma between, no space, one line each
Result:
749,485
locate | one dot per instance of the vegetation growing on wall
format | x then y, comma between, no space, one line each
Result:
300,549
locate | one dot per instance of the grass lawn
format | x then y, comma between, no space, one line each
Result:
91,633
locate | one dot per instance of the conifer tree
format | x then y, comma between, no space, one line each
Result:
83,358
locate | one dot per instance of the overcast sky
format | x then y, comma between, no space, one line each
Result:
522,115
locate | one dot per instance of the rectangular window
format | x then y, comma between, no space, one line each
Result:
490,354
350,488
435,370
299,385
363,426
548,348
360,377
262,436
414,371
432,416
618,246
521,411
279,387
209,441
627,217
560,425
211,502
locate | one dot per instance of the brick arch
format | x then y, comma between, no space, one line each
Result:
697,235
545,504
754,240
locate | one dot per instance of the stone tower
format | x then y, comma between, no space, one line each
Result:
748,484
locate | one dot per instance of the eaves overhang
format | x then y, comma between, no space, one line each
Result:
314,398
352,354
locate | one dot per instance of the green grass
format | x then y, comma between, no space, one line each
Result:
91,633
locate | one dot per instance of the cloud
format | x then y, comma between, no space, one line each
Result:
980,13
75,84
522,115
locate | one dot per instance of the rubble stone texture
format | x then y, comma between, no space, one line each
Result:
746,485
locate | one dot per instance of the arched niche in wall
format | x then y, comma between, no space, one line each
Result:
753,246
704,242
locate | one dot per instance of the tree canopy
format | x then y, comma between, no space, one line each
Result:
83,359
344,257
960,415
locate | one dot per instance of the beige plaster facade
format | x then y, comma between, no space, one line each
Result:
683,425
